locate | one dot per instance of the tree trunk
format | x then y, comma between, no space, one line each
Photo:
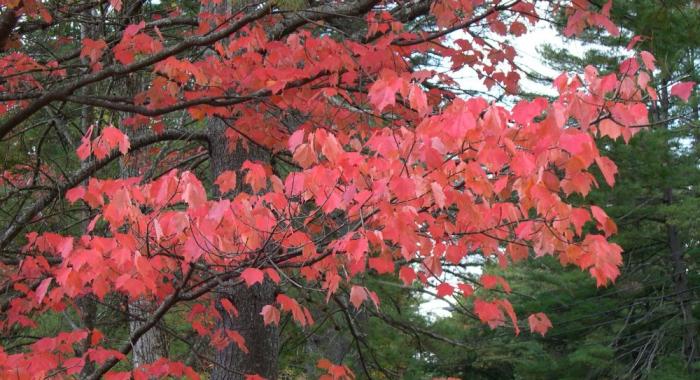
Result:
680,284
152,345
262,341
679,275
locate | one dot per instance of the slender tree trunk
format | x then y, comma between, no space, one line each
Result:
86,305
679,274
152,345
262,341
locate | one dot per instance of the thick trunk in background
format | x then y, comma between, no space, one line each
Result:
262,341
152,345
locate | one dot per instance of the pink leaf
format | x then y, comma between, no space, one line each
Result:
251,276
539,323
682,90
42,288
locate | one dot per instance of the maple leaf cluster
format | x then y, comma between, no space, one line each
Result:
393,172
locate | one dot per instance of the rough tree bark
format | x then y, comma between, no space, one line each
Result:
262,341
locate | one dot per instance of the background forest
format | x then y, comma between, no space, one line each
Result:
645,326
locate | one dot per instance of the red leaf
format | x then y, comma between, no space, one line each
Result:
382,264
407,275
357,248
358,295
438,194
466,289
445,289
252,276
85,147
116,4
237,338
226,181
113,137
270,315
290,305
194,193
256,176
75,193
42,288
228,306
505,305
295,140
133,29
273,275
682,90
525,111
489,281
539,323
605,224
382,93
608,168
648,60
489,313
418,100
93,49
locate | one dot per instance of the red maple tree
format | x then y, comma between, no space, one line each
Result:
388,167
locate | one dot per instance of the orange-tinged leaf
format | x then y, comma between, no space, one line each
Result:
358,295
228,306
608,168
290,305
75,193
383,91
113,137
506,305
444,289
407,275
251,276
489,313
256,176
382,264
226,181
194,193
237,338
490,281
466,289
539,323
270,315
